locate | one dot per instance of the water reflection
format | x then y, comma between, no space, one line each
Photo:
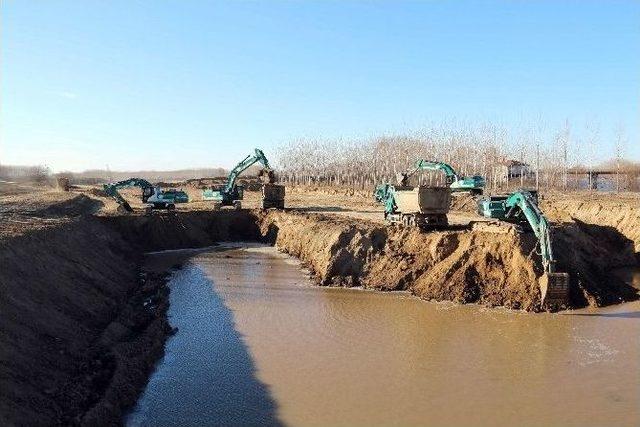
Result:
319,356
207,375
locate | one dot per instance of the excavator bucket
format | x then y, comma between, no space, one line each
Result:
554,290
267,176
124,207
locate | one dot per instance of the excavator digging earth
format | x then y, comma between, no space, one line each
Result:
231,194
521,210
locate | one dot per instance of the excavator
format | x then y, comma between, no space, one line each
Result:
231,194
521,208
153,196
456,182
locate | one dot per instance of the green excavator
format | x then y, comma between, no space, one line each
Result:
153,196
521,208
456,182
231,194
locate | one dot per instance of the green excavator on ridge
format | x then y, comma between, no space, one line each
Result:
231,194
153,196
521,208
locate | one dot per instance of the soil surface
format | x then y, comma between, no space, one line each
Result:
83,325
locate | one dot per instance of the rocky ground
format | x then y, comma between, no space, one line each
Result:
83,324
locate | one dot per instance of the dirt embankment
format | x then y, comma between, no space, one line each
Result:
184,230
618,211
491,268
621,212
81,329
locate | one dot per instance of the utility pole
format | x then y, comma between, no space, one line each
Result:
537,165
521,166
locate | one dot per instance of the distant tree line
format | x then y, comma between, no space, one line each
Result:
38,174
551,159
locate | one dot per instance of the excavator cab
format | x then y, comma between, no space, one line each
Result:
146,193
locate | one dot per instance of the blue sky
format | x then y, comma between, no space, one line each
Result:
176,84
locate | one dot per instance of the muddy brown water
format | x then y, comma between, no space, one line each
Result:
258,343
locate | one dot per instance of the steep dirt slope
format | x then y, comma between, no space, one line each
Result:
77,342
162,230
492,268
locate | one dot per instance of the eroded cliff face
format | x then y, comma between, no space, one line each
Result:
82,327
495,267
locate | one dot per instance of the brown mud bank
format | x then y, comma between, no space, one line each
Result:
81,326
497,268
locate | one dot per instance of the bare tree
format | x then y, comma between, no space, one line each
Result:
471,148
620,145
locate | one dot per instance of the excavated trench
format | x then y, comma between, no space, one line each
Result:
493,268
83,325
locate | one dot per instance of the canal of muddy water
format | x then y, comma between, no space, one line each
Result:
259,343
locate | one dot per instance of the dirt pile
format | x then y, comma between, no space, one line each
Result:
464,202
80,331
78,205
491,268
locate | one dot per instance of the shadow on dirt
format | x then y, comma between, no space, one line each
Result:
182,230
588,252
77,206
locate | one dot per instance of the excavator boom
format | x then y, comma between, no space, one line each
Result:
456,182
112,190
257,157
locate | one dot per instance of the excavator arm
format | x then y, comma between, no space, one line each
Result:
523,203
521,206
112,188
449,172
422,164
456,182
257,157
